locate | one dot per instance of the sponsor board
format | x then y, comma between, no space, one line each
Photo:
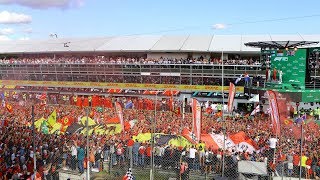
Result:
239,89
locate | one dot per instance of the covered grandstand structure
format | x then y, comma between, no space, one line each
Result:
148,44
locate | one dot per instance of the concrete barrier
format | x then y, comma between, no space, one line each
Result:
71,175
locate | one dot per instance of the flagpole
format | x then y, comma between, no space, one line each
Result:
223,120
88,155
183,112
152,139
34,143
301,143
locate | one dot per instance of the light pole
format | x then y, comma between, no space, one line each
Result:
223,120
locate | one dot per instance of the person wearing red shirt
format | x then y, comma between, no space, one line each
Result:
130,144
141,155
148,153
296,162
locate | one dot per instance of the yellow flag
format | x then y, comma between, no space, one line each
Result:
52,119
37,123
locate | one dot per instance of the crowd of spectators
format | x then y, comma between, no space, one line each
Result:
67,151
126,60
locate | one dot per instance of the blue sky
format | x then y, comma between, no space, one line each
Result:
91,18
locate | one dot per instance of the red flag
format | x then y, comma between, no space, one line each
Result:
115,91
9,108
43,96
147,92
171,103
120,115
196,115
274,112
232,92
66,121
107,103
170,92
296,131
95,101
79,102
288,122
85,102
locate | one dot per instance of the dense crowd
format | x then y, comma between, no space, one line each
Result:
126,60
67,151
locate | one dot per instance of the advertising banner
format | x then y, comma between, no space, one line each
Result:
292,63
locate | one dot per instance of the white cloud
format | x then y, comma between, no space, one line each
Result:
219,26
6,31
24,38
44,4
27,30
14,18
4,38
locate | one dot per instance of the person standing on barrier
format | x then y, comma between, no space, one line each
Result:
135,152
130,144
272,144
296,163
314,163
192,156
184,171
80,156
303,164
208,161
106,150
142,150
290,164
74,153
201,150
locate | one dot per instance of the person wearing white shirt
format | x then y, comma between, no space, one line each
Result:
272,144
74,153
192,156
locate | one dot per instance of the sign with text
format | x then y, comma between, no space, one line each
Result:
292,63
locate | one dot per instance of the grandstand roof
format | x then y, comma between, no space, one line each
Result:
147,43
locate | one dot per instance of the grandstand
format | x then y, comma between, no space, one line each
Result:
149,59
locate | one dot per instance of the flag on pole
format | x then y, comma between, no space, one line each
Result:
129,105
232,92
255,111
196,115
238,79
255,98
120,115
274,112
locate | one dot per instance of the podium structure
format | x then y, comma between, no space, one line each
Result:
290,69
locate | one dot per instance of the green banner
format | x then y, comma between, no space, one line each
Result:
292,63
311,96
